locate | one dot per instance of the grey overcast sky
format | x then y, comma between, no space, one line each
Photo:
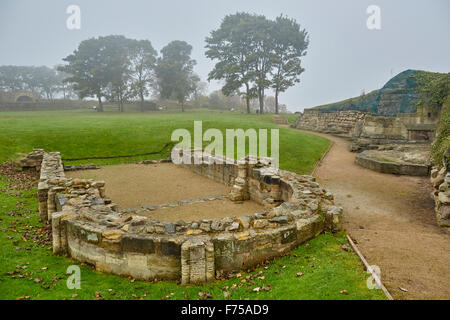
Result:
344,56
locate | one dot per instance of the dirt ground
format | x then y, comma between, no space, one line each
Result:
136,185
205,210
392,219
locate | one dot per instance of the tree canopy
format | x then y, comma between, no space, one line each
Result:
256,53
42,80
174,72
97,67
111,67
142,58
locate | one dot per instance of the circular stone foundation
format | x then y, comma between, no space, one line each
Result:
267,213
167,192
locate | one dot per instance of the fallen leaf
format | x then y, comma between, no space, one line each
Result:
205,295
98,295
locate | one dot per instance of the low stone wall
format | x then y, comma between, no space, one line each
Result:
364,160
46,105
87,226
440,179
251,178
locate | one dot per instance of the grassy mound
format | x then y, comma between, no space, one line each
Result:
414,87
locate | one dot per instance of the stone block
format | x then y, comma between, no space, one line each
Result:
260,223
169,248
197,262
444,197
138,244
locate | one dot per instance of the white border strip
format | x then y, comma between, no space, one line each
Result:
374,275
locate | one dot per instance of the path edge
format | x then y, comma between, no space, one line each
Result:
322,157
366,264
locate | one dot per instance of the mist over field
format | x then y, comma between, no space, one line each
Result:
344,57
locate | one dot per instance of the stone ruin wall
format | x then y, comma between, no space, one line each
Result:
368,130
87,226
378,130
345,122
440,180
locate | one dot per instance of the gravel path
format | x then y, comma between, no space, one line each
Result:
392,219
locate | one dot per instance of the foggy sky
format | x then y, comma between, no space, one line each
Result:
343,58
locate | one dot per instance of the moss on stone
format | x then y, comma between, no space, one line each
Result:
441,144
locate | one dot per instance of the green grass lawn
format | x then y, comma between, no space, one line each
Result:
80,134
320,269
290,117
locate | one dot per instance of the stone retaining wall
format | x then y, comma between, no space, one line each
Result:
369,131
87,226
345,122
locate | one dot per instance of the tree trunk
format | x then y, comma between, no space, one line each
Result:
100,104
276,101
247,97
247,100
142,101
182,106
261,100
121,102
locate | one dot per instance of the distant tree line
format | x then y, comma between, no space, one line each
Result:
255,54
44,81
252,54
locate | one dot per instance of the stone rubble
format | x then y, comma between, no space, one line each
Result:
440,180
173,205
31,160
